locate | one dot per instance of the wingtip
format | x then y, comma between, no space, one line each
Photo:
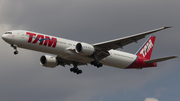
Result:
167,27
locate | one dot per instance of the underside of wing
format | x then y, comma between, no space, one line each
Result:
120,42
64,62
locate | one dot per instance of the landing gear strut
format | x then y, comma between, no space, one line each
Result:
75,69
15,48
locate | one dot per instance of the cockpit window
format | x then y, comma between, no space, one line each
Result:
8,33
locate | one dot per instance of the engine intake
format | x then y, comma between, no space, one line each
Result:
84,49
48,61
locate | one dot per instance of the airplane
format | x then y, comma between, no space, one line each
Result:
69,52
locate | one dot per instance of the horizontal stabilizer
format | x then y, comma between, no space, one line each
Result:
160,59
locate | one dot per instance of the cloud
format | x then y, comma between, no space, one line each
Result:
151,99
89,21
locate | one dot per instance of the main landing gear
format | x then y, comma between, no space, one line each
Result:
15,48
75,69
96,61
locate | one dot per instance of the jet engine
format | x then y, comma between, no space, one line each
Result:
48,61
84,49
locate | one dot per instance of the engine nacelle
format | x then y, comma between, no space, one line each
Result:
48,61
84,49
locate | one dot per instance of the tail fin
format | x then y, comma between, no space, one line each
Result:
146,49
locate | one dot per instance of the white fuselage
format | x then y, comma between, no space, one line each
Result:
64,49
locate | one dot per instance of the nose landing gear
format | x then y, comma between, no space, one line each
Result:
15,48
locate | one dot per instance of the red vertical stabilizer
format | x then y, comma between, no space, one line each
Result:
146,49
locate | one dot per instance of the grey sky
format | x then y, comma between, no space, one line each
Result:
91,21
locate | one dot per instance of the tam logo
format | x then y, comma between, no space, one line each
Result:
146,48
43,40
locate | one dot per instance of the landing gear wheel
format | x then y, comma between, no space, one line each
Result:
80,71
100,64
92,62
16,52
71,69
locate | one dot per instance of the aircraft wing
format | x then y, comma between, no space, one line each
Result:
64,62
120,42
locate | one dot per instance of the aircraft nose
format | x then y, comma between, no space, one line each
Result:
3,37
6,38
